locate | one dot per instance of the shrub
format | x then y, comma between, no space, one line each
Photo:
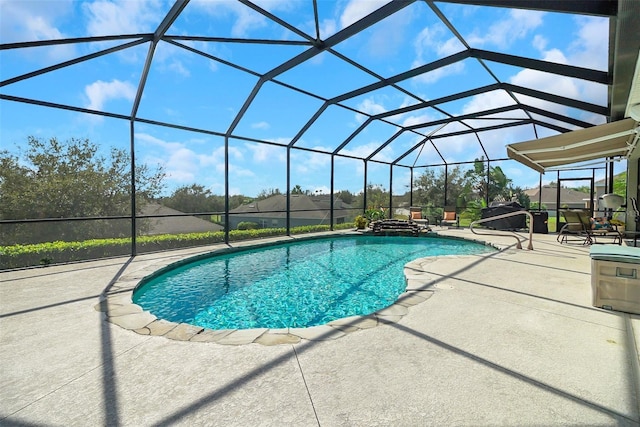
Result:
248,225
19,256
360,222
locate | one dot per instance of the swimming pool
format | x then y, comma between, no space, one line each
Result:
291,285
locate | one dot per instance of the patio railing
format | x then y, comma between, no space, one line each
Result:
506,232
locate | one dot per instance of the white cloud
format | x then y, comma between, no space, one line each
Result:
589,49
177,160
546,82
555,55
449,47
99,93
237,171
179,68
357,9
406,101
425,41
32,20
36,20
166,57
328,27
245,19
184,165
504,33
267,153
417,119
41,29
310,161
180,164
430,40
301,168
365,150
451,148
216,158
437,74
387,37
369,106
260,125
539,42
591,46
122,16
487,101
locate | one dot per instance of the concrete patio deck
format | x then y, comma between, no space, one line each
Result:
509,338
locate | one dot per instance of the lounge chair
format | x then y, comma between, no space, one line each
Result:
415,215
450,217
572,227
578,224
593,233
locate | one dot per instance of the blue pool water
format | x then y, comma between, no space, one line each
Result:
297,284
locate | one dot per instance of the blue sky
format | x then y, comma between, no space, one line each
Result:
196,91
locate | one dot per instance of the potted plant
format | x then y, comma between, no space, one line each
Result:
361,222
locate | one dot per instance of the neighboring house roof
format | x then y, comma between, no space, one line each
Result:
549,194
315,207
175,224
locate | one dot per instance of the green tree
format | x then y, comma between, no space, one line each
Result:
234,201
265,194
377,196
620,184
522,198
53,179
192,198
498,186
297,190
346,196
429,187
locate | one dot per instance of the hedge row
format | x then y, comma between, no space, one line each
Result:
18,256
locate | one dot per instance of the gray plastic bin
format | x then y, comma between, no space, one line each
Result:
615,279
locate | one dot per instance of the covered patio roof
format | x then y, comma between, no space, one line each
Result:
617,139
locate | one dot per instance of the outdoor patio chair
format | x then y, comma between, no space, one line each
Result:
415,215
573,227
450,217
593,233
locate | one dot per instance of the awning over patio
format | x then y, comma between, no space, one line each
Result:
608,140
